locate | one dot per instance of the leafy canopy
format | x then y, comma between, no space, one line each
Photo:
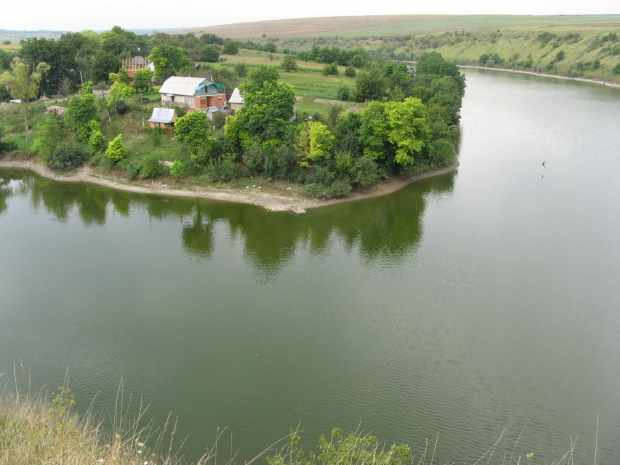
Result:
192,131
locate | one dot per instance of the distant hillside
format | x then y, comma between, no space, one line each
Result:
16,36
387,26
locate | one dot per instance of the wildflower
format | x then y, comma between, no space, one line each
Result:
140,444
100,461
139,452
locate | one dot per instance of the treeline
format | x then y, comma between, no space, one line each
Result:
410,125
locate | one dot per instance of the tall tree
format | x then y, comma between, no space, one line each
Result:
81,109
168,60
394,131
192,131
20,83
267,110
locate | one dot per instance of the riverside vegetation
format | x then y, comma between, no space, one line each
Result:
35,429
400,122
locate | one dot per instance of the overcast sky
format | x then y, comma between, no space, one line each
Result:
131,14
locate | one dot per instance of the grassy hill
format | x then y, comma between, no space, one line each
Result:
389,26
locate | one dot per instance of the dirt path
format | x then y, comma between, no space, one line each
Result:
256,196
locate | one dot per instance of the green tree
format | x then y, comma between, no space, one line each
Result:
231,47
81,109
118,92
96,141
49,137
241,69
209,53
20,83
350,72
116,149
289,64
369,85
321,141
104,63
192,130
169,60
270,47
142,79
394,131
331,70
267,111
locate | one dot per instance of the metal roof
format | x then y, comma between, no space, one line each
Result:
162,115
178,85
236,97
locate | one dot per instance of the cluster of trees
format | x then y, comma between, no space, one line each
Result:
390,136
78,57
409,124
357,58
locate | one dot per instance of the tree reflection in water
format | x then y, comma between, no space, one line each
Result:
386,229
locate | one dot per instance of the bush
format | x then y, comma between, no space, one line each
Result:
66,156
222,169
350,72
180,111
364,172
151,168
337,190
344,93
241,69
284,161
121,107
289,64
254,158
442,151
116,149
331,70
616,69
133,170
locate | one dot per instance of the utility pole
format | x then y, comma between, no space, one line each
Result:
142,107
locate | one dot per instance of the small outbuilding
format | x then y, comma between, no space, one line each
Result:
236,100
163,118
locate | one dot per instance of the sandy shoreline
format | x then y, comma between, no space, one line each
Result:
269,201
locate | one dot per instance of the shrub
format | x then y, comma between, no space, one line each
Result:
442,151
344,93
177,169
616,69
289,64
151,168
350,72
337,190
254,158
284,161
133,170
331,70
241,69
364,172
222,169
66,156
116,149
121,107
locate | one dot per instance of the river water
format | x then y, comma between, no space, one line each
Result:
465,304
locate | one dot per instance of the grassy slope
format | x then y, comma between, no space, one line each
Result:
386,26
